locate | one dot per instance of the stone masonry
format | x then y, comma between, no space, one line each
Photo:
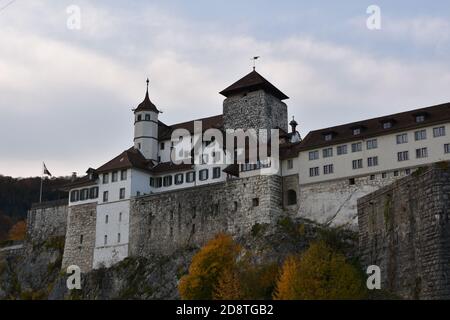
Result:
80,237
257,110
166,222
404,229
46,220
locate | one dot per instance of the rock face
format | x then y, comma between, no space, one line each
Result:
404,229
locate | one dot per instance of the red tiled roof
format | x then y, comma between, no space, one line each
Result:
252,82
131,158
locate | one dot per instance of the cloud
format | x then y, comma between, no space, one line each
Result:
66,97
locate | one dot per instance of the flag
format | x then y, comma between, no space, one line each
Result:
46,171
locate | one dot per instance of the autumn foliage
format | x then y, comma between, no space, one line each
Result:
18,231
318,274
217,257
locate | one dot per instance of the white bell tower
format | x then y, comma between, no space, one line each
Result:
146,128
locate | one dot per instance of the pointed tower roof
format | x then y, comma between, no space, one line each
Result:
146,105
252,82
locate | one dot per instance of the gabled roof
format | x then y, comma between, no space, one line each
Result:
165,131
131,158
403,121
252,82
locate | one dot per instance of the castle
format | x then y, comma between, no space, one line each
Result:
142,202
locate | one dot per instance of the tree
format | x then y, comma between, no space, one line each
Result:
18,231
228,286
207,267
320,273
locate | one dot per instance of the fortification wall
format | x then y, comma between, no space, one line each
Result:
404,229
80,236
46,220
165,222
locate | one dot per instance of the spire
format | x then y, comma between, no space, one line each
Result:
146,105
293,124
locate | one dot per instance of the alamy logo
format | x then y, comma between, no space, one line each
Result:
373,22
74,18
374,279
74,279
247,148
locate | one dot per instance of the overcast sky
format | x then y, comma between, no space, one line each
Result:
66,95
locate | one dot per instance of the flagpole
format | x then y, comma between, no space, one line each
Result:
40,192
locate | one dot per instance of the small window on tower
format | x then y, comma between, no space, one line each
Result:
162,145
139,118
147,117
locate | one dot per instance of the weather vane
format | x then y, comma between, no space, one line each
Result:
254,62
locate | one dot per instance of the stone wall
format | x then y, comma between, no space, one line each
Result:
46,220
165,222
404,229
80,236
257,110
334,203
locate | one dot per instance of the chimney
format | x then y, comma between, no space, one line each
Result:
74,176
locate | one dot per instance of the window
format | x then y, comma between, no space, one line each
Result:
372,144
356,131
123,175
81,239
138,193
408,172
122,193
139,118
158,182
342,150
384,175
372,177
387,125
356,147
328,169
439,132
120,216
93,193
313,172
190,177
114,177
447,148
152,182
105,178
372,161
396,173
179,178
105,241
420,135
106,219
420,118
105,196
84,194
118,238
216,172
402,138
139,146
357,164
167,181
403,156
313,155
291,197
351,181
290,164
328,152
147,117
203,174
255,202
328,137
74,196
162,146
421,153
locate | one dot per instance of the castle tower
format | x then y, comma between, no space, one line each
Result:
253,102
146,128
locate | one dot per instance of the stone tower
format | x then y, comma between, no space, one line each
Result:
146,128
253,102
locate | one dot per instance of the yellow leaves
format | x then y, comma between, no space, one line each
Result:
18,231
319,273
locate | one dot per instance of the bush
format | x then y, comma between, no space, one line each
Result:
18,231
318,274
207,266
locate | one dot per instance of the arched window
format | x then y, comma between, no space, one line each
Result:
291,197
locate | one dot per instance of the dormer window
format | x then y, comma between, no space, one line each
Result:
356,131
328,137
387,125
420,118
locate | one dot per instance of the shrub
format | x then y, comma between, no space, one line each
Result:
18,231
